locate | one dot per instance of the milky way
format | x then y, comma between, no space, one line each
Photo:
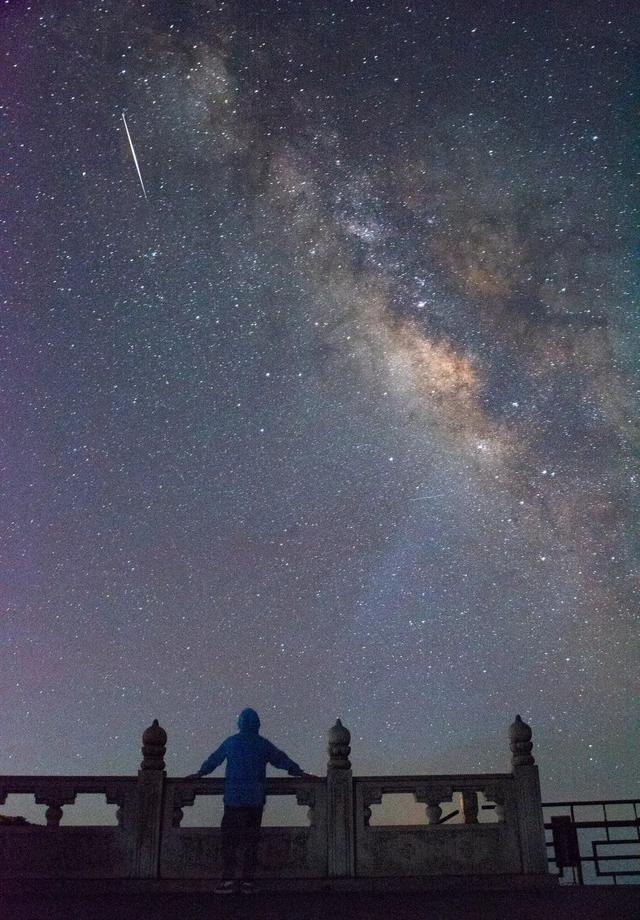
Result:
342,419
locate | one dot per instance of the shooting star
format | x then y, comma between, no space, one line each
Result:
135,158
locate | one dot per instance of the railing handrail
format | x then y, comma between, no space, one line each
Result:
284,779
275,785
71,777
442,778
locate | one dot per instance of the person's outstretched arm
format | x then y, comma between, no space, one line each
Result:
213,760
280,760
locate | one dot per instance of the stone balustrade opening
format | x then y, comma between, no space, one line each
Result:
401,808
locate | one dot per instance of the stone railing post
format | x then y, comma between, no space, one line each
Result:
340,818
148,811
529,799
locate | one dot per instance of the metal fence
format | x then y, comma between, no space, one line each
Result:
594,842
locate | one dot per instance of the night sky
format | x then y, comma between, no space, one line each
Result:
340,419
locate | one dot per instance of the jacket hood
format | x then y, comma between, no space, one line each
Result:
249,721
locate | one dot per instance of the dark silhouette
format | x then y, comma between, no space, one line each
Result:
247,754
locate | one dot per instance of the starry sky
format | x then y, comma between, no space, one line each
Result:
337,416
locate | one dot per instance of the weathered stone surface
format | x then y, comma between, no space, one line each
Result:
65,852
472,849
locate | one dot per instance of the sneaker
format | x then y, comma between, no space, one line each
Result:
248,887
226,886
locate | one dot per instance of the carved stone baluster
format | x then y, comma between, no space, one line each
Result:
115,795
54,800
433,810
372,795
469,806
433,796
495,794
182,796
308,797
53,814
178,815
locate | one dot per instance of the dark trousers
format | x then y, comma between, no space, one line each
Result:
240,833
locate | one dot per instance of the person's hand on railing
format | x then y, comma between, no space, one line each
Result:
194,776
312,777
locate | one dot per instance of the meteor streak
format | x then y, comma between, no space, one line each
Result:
135,158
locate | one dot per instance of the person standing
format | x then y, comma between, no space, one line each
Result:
247,754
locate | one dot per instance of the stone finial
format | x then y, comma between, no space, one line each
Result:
520,744
154,745
468,806
339,739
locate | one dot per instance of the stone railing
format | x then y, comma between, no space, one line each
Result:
285,852
338,841
52,851
438,847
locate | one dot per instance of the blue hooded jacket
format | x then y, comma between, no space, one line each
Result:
247,755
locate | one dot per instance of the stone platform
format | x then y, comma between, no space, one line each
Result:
589,903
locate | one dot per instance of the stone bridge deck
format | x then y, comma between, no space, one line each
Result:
595,903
